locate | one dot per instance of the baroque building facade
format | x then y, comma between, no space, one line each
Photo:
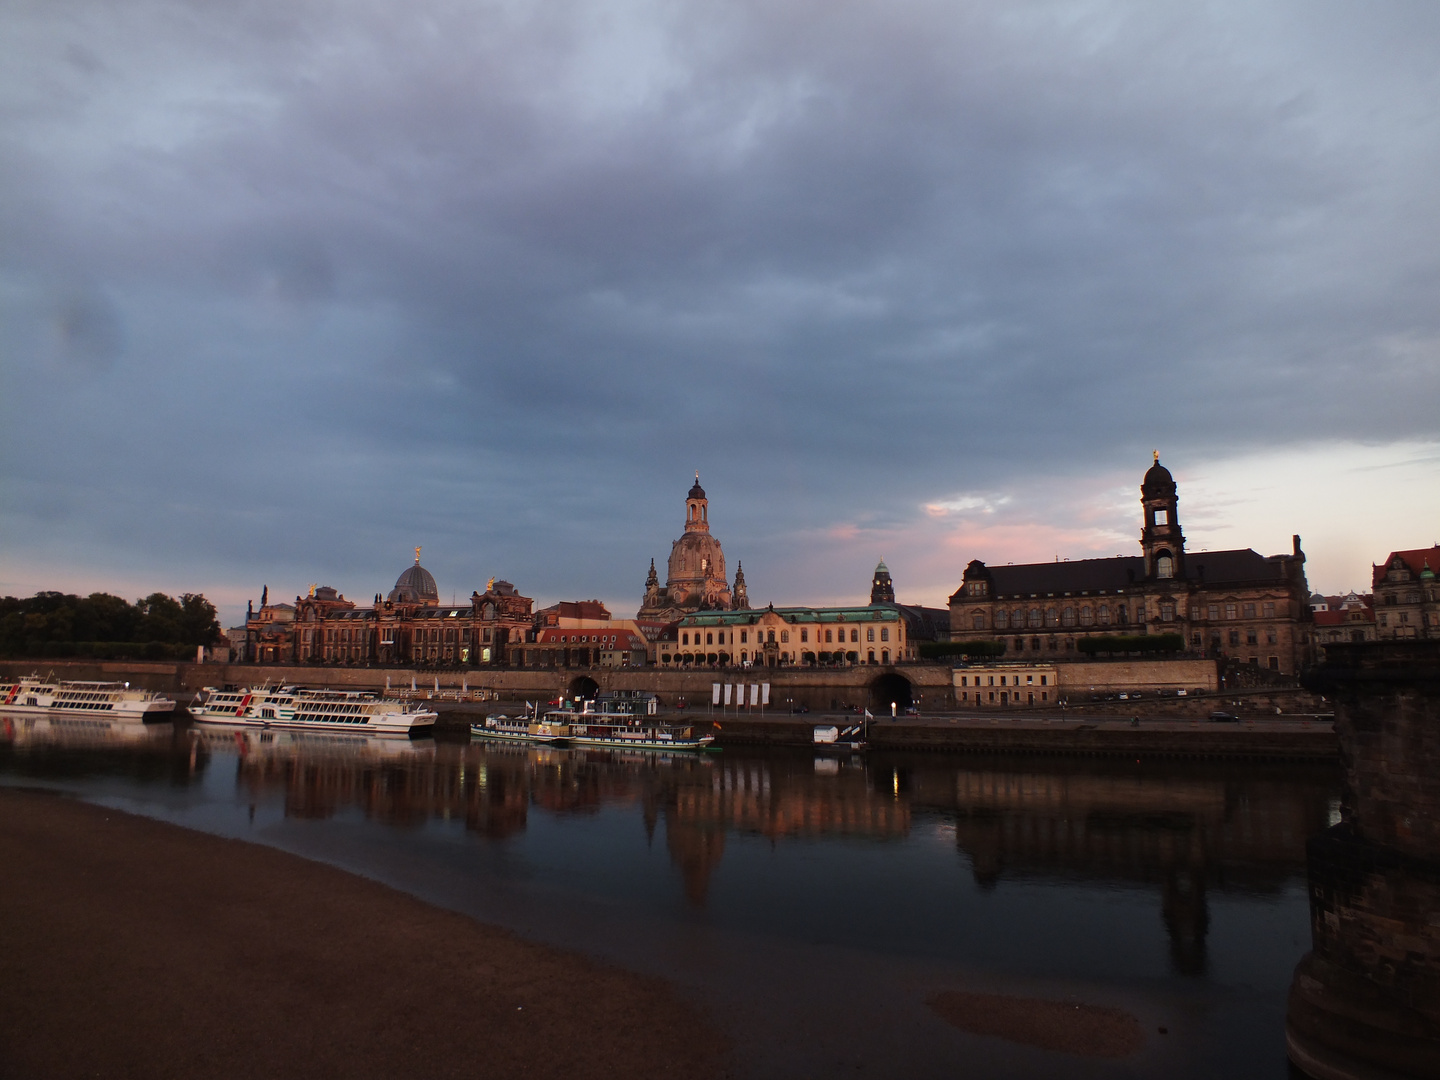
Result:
408,627
1235,604
778,637
695,574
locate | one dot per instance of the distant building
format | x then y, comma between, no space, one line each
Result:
695,574
1407,596
1236,604
1350,617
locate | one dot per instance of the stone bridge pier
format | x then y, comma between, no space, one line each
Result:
1365,1002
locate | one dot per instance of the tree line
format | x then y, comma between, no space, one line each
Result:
104,627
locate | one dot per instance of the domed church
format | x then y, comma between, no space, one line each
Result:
695,578
414,586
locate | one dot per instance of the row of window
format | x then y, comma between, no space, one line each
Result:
345,637
1403,618
785,657
1006,697
990,680
713,637
1102,616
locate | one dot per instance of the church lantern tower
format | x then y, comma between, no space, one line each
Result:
697,509
1161,540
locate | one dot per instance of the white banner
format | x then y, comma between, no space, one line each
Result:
765,693
754,694
728,688
714,693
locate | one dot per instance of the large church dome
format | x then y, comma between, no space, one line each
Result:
415,586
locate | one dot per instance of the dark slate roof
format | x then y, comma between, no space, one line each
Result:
1212,568
1233,567
925,624
1081,575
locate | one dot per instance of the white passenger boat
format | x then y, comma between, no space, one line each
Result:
253,706
313,710
61,696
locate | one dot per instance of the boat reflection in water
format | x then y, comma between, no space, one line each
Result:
56,747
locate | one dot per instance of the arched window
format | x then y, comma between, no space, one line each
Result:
785,636
770,635
1052,617
1067,617
1002,620
1164,565
1087,616
1035,616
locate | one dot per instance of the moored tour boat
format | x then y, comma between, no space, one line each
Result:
314,710
633,732
529,729
113,699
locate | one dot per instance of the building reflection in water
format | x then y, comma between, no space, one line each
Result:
1182,829
697,799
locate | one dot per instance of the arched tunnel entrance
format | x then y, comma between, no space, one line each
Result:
887,688
582,687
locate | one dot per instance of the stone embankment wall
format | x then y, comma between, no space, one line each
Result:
816,689
1366,1000
813,688
1104,676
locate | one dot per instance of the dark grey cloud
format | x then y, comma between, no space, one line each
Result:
310,282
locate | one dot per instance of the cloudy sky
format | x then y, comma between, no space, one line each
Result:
288,287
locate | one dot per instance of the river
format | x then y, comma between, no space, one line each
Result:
812,903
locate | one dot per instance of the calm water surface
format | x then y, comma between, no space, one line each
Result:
810,904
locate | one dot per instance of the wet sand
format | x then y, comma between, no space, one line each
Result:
134,948
1066,1026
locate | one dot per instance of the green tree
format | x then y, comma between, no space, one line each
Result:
199,625
161,619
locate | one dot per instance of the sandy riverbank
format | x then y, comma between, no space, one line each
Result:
134,948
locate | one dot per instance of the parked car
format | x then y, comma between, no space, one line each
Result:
1224,717
1181,693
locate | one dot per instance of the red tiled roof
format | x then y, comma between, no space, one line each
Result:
1343,618
1415,559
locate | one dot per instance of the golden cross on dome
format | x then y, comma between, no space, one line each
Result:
417,550
1154,452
